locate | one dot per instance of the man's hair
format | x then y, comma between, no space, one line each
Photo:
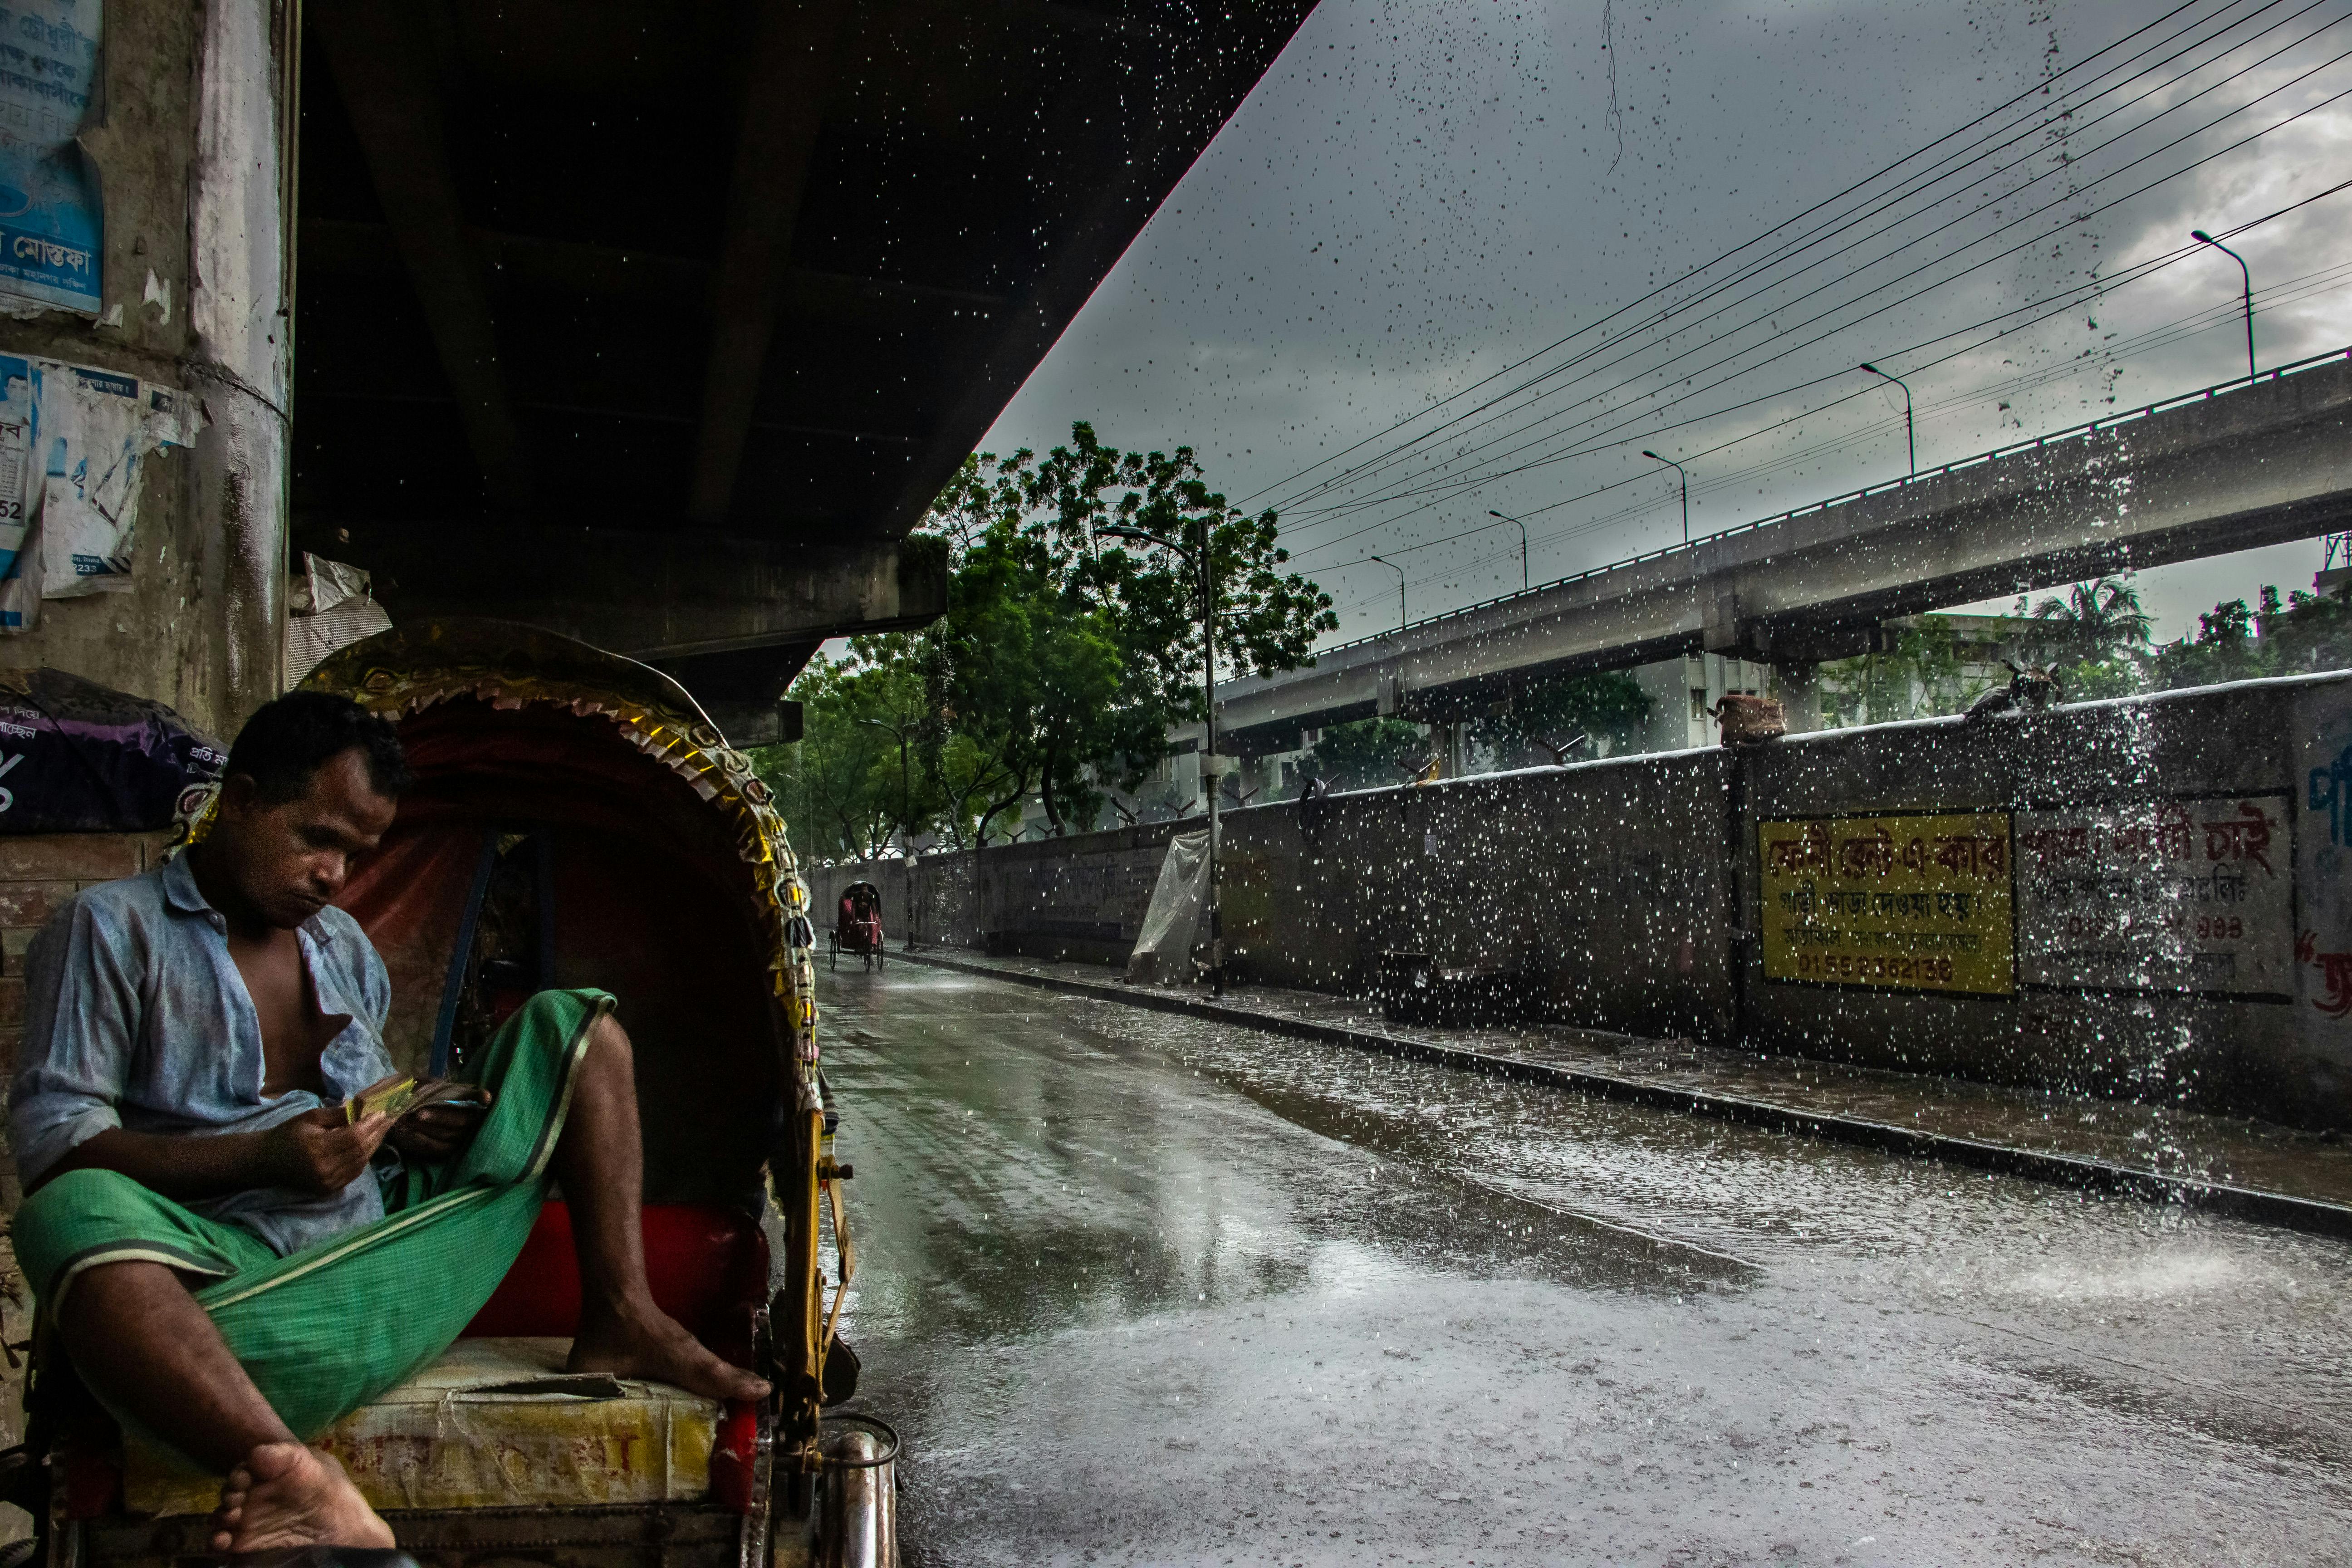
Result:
288,741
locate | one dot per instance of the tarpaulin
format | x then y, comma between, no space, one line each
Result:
77,757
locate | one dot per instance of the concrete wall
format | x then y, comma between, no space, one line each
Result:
1633,892
194,276
1081,898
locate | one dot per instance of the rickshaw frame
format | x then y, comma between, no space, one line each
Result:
406,672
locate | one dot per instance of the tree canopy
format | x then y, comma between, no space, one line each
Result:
1073,641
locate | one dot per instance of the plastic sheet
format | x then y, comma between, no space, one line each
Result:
78,757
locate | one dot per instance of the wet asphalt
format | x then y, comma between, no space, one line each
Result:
1142,1288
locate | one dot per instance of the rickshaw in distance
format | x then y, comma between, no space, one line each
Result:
576,820
857,924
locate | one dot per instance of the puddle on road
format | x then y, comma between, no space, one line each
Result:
1146,1286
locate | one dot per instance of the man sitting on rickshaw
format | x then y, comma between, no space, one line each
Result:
232,1255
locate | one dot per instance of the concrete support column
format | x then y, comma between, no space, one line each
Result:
193,143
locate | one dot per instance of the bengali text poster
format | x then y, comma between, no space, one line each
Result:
1896,902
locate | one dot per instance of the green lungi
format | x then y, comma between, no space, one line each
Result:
323,1330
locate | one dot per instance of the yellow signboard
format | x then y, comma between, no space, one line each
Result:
1908,903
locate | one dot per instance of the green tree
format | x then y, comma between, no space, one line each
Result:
1367,752
1073,640
2094,621
839,781
1603,704
1922,675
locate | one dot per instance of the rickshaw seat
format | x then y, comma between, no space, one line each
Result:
496,1421
708,1266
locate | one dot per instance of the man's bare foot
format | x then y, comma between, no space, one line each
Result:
287,1495
651,1345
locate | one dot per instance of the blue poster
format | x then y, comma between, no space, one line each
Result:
52,220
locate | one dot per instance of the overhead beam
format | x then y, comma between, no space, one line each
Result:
381,68
743,691
649,595
346,248
367,394
783,107
1153,138
2233,469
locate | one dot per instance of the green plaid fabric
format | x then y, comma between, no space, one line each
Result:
325,1330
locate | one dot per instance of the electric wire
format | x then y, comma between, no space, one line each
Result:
1857,271
2038,89
2072,220
2060,111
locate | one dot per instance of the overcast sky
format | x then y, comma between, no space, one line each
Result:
1418,196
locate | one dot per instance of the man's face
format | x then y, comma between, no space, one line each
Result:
287,861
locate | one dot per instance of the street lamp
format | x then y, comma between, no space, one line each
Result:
1523,546
1910,434
1685,474
1399,572
1205,576
2201,237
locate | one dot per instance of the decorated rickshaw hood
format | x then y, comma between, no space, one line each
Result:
414,667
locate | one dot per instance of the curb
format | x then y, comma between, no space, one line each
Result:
2312,1215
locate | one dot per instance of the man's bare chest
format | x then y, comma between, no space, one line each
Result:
295,1032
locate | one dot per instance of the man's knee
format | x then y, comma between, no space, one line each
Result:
607,1039
76,1198
59,1218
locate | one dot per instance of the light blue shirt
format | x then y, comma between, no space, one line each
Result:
135,1017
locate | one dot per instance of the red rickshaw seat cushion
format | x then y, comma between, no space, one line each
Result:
708,1266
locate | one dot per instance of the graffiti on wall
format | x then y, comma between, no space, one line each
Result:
1898,903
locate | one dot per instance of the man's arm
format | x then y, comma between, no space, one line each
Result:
82,1022
313,1152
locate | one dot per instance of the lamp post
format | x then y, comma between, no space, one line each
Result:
1685,474
1399,572
2201,237
1910,434
1523,545
1197,556
906,827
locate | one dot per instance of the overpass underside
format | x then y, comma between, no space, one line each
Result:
2229,468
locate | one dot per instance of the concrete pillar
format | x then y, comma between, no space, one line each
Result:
192,142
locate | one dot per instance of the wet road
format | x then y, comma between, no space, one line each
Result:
1141,1289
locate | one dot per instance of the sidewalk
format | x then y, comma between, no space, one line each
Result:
2247,1169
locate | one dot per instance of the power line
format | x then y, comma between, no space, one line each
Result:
1844,220
2157,337
1459,483
1404,450
2037,90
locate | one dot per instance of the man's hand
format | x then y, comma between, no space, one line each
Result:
432,1133
318,1152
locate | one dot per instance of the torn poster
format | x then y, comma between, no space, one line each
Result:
72,441
52,218
92,429
328,606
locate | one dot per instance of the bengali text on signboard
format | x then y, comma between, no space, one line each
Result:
2174,895
1918,903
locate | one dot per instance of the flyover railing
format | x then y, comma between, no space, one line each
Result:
2035,443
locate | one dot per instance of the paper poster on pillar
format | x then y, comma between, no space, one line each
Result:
20,569
52,215
92,431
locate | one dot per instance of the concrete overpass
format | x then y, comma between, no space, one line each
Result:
2226,469
661,324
